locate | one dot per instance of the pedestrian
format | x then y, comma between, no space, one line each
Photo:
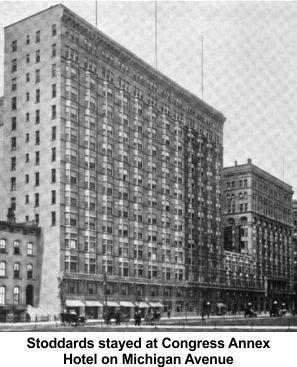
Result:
139,318
168,313
136,317
118,318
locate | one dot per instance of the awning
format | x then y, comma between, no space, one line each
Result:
93,303
112,304
74,303
126,304
221,305
142,305
156,304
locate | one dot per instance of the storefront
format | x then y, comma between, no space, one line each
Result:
93,309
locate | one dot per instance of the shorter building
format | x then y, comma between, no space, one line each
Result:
295,249
257,220
20,264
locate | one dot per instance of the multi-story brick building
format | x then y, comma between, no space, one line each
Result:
20,259
257,219
119,165
295,248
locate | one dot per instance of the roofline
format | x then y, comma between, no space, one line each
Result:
250,166
202,104
33,15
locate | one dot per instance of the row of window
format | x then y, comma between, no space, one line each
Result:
14,43
16,270
3,294
13,181
16,247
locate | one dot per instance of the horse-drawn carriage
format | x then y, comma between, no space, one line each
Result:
72,318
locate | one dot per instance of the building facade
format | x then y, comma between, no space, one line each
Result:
294,210
120,166
257,219
20,259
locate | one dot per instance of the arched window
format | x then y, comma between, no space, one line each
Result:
16,295
29,271
2,269
2,296
29,248
16,247
2,245
16,270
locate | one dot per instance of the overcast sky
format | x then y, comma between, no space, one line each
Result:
250,64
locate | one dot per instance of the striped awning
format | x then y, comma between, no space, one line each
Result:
92,303
156,304
126,304
142,305
112,304
74,303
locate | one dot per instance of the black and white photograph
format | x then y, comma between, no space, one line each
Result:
148,166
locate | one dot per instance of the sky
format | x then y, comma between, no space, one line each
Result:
250,64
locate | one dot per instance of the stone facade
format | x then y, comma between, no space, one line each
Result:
257,219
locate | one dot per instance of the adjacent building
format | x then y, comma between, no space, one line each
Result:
257,219
120,166
295,249
20,260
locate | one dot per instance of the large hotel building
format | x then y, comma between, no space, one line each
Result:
120,167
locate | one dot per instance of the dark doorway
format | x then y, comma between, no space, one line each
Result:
29,295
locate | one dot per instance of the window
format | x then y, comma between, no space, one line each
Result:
27,199
14,46
29,271
54,50
13,163
14,65
2,269
37,38
27,158
54,130
53,154
27,77
37,137
36,205
37,158
53,175
12,183
29,248
53,201
27,116
16,270
53,214
27,96
27,178
54,30
36,178
37,76
13,103
37,56
16,295
54,112
37,218
2,245
27,58
37,116
54,90
14,84
13,123
16,247
2,296
27,39
54,70
37,98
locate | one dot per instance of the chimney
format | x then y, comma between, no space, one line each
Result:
249,161
10,216
235,163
